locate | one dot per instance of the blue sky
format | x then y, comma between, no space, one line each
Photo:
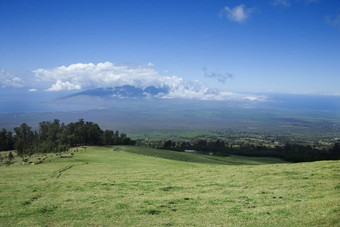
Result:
283,46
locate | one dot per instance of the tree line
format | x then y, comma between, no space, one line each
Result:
57,137
289,152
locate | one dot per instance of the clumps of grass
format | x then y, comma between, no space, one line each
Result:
7,159
45,210
277,197
335,210
283,212
108,184
28,202
148,202
235,211
169,207
290,173
121,206
152,212
167,188
8,162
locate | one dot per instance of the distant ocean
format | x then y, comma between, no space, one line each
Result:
304,102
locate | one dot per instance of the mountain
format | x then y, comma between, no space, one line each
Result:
126,91
129,108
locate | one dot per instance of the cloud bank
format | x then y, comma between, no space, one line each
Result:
238,14
89,75
8,79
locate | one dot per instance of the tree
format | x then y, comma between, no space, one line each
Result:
169,144
56,137
108,137
23,139
6,140
93,134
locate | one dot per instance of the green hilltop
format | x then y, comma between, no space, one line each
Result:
135,186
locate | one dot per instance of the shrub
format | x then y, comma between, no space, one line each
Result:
10,156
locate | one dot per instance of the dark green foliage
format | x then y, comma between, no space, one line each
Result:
56,137
108,137
24,138
336,149
82,133
10,156
289,152
114,138
6,140
169,145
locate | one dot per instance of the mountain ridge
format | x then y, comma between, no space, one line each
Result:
125,91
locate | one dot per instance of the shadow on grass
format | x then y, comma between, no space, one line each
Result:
199,158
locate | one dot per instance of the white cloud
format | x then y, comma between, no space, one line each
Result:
239,13
285,3
32,90
150,64
8,79
89,75
59,86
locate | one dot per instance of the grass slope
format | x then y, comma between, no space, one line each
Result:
106,186
191,157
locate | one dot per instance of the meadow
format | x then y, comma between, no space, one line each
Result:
136,186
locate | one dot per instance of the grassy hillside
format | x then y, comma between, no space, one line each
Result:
110,186
190,157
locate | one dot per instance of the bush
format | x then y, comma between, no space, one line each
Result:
10,156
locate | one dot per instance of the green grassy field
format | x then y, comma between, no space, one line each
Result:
134,186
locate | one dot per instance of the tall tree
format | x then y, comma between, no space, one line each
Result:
23,139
